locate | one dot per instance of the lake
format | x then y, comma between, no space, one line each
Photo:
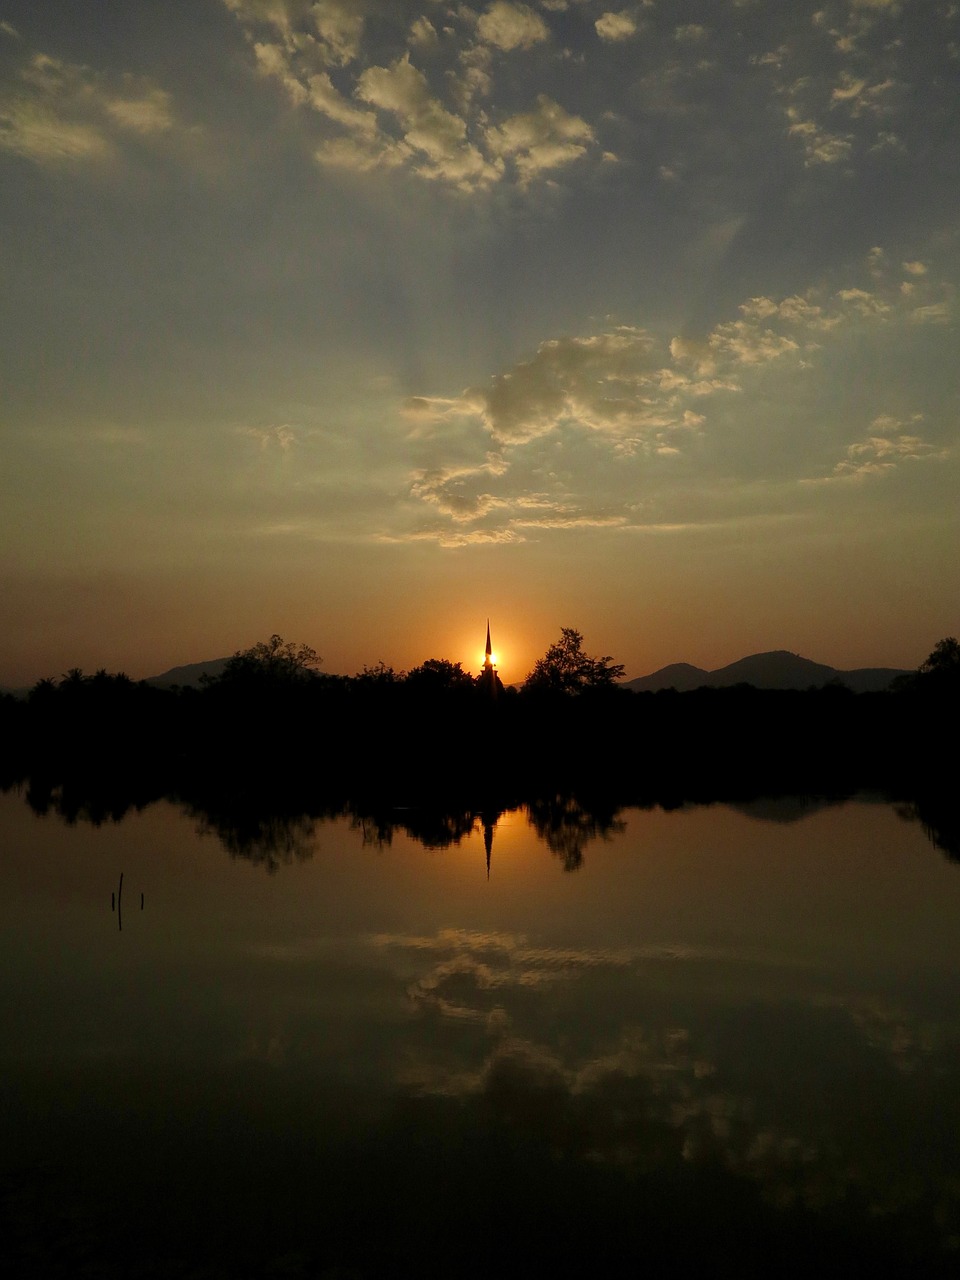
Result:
544,1041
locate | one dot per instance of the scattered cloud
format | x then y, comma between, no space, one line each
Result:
419,110
690,33
540,140
423,34
511,26
616,26
819,145
429,130
885,448
280,437
859,97
485,67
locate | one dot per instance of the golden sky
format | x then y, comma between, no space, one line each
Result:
362,320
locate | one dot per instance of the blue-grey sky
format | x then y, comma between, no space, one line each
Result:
361,320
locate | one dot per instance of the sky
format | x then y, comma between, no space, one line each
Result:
362,321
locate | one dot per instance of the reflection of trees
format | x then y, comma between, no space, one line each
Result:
785,809
270,840
567,824
939,816
84,800
431,827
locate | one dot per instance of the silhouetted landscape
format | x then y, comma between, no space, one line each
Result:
272,720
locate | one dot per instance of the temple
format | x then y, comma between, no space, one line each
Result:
488,681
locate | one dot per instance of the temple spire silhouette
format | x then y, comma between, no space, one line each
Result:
488,681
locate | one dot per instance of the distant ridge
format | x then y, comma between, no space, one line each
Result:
190,675
778,669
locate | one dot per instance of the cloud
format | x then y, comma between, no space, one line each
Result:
616,26
282,437
540,140
690,33
389,113
933,313
819,145
40,135
447,490
511,26
324,98
339,26
55,111
863,302
886,448
575,379
146,112
490,65
858,96
428,128
279,14
747,343
618,411
423,34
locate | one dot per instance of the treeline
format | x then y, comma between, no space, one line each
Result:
273,721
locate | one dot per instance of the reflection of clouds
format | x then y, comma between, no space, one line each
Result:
903,1041
503,960
470,964
515,1027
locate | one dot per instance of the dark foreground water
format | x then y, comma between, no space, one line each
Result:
708,1040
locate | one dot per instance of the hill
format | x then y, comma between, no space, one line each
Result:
188,676
778,669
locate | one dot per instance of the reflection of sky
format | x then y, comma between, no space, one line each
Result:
777,996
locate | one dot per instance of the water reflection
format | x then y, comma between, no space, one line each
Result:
274,829
734,1032
269,840
939,816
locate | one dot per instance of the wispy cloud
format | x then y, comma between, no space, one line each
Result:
55,111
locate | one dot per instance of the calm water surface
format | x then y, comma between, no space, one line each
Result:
712,1032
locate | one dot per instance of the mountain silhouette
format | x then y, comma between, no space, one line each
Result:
777,669
188,676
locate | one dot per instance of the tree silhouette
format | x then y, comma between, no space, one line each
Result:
565,668
944,661
272,661
438,675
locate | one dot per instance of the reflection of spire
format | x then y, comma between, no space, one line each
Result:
488,840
